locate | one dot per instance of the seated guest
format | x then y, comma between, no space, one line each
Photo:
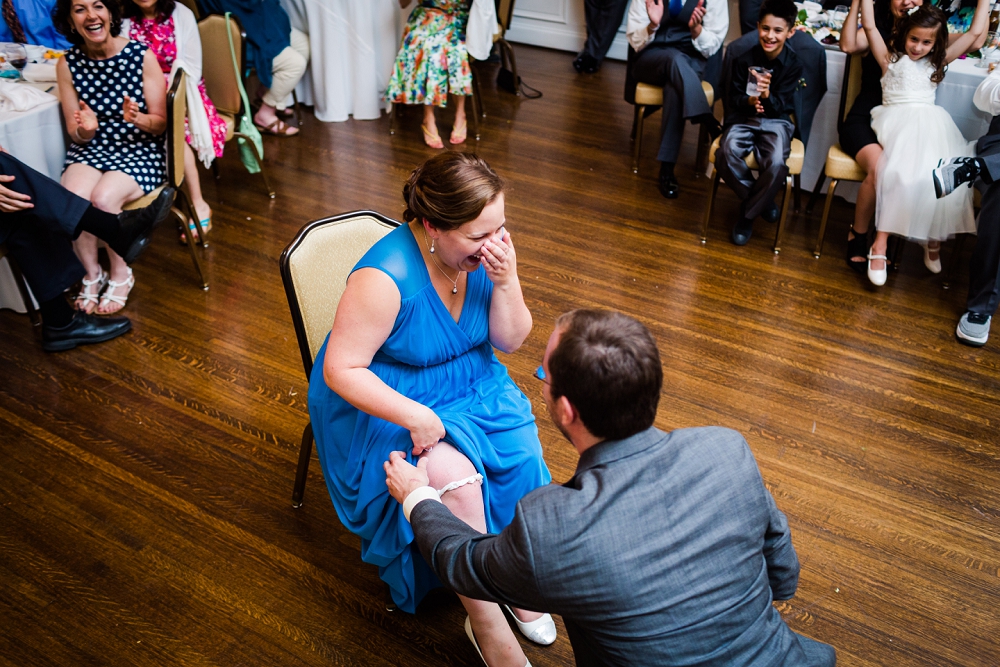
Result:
663,548
760,124
278,52
39,220
170,30
433,63
409,365
984,267
115,105
603,18
673,44
30,22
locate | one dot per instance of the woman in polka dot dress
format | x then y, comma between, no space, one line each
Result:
114,101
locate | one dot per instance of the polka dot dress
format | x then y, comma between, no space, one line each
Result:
117,146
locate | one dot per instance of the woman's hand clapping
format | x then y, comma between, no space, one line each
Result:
499,261
86,121
130,110
426,432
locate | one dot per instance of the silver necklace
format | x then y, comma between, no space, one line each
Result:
454,283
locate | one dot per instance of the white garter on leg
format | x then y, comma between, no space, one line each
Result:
460,483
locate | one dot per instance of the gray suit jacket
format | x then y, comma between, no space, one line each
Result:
663,549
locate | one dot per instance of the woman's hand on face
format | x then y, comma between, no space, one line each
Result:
498,260
85,118
427,432
130,110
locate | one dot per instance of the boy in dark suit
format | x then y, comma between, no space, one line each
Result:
760,123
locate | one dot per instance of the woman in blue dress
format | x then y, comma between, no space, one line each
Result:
409,366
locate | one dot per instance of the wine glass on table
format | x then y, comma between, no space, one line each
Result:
17,56
989,50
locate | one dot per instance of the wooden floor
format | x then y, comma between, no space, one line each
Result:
145,514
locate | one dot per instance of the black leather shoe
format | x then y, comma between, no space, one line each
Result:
138,225
669,187
742,231
586,64
83,329
771,213
578,64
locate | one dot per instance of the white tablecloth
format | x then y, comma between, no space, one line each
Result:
34,137
353,45
954,94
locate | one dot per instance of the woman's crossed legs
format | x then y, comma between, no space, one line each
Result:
445,465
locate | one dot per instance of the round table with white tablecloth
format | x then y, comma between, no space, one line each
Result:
954,93
353,45
35,137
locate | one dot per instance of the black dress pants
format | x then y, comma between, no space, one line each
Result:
680,74
984,268
39,238
770,141
604,17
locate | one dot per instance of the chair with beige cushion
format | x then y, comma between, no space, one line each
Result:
176,113
314,269
221,80
795,159
24,291
647,96
839,165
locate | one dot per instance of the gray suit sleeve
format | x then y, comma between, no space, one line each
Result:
498,568
782,562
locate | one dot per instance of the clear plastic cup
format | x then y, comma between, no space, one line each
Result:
752,89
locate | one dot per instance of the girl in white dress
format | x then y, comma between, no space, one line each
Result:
913,132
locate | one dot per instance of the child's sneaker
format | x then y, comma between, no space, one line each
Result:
973,329
953,173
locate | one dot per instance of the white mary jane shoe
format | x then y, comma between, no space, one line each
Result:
472,638
933,265
541,631
878,277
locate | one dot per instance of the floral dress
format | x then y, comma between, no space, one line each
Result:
159,37
432,60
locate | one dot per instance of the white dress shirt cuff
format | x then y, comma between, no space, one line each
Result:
416,496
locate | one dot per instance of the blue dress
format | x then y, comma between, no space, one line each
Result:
449,367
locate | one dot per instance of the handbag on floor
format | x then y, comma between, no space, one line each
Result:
246,128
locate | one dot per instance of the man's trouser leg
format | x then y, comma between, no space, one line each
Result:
683,97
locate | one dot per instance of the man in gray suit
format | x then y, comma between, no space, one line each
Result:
663,549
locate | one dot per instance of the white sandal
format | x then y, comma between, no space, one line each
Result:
108,297
86,296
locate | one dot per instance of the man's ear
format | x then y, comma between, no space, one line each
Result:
565,411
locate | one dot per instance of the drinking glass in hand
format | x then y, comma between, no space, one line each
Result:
17,56
755,71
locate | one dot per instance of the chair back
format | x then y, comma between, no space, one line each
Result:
176,113
193,6
315,267
505,14
850,88
217,64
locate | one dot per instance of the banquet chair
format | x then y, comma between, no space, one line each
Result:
839,165
222,81
796,157
176,113
647,99
314,270
22,288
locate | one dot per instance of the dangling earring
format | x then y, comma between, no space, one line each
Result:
432,246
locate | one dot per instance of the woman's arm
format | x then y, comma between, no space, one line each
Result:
81,121
852,40
365,317
510,319
155,91
974,37
875,41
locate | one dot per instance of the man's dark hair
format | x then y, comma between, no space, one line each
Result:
782,9
607,365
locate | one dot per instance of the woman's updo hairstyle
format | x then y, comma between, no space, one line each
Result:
450,189
63,23
924,16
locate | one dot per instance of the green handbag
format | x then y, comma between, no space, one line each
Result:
246,128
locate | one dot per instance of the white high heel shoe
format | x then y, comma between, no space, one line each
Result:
472,638
933,265
541,631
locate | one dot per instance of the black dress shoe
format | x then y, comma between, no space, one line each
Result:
669,187
578,64
771,213
138,225
742,231
586,64
83,329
